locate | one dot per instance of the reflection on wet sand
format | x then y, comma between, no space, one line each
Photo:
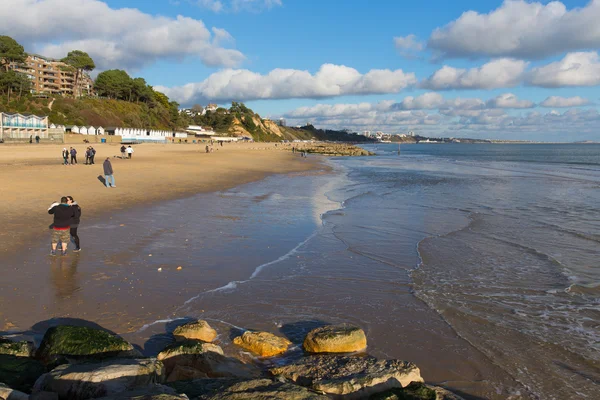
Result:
64,276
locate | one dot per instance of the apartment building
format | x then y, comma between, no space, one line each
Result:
50,76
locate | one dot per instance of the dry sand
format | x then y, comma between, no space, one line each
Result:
32,177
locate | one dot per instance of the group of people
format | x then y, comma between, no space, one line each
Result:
90,153
67,215
126,152
37,138
71,154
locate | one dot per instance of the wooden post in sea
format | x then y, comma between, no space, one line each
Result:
398,148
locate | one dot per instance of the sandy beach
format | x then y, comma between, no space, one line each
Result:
33,177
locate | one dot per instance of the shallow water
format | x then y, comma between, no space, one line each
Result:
478,263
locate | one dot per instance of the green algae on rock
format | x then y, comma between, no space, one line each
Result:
82,342
19,349
416,391
20,373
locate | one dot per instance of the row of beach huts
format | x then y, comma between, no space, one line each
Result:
127,134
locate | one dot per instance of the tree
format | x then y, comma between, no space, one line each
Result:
161,98
11,51
114,84
81,61
140,90
14,81
197,109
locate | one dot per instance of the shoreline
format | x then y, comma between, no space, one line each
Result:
35,178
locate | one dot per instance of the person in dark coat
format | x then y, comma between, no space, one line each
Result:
108,173
73,156
63,215
75,222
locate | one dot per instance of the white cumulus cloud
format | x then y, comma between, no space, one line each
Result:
520,29
499,73
115,38
509,100
329,81
562,102
575,69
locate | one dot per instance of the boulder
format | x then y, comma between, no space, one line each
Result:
416,391
188,347
19,349
181,373
92,380
43,396
82,343
232,388
263,389
152,392
20,373
354,377
8,393
264,344
335,339
198,330
205,358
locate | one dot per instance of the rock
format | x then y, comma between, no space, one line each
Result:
416,391
78,342
264,344
8,393
199,330
91,380
199,388
20,373
264,389
152,392
19,349
188,347
43,396
335,339
181,373
234,389
355,377
206,358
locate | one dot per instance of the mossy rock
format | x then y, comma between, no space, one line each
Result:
188,347
19,349
79,342
415,391
20,373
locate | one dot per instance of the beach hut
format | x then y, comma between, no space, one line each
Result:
89,130
71,129
100,130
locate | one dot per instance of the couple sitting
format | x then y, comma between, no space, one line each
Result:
67,214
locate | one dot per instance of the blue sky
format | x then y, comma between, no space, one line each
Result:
509,70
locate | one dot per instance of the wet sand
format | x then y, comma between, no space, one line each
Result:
33,177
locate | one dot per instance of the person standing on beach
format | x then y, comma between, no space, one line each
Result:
87,156
129,152
65,155
63,215
108,173
73,156
123,151
75,222
92,154
37,139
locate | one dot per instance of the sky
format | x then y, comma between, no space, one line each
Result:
513,69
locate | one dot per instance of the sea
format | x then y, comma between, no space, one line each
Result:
477,262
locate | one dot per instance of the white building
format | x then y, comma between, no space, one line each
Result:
198,130
22,126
